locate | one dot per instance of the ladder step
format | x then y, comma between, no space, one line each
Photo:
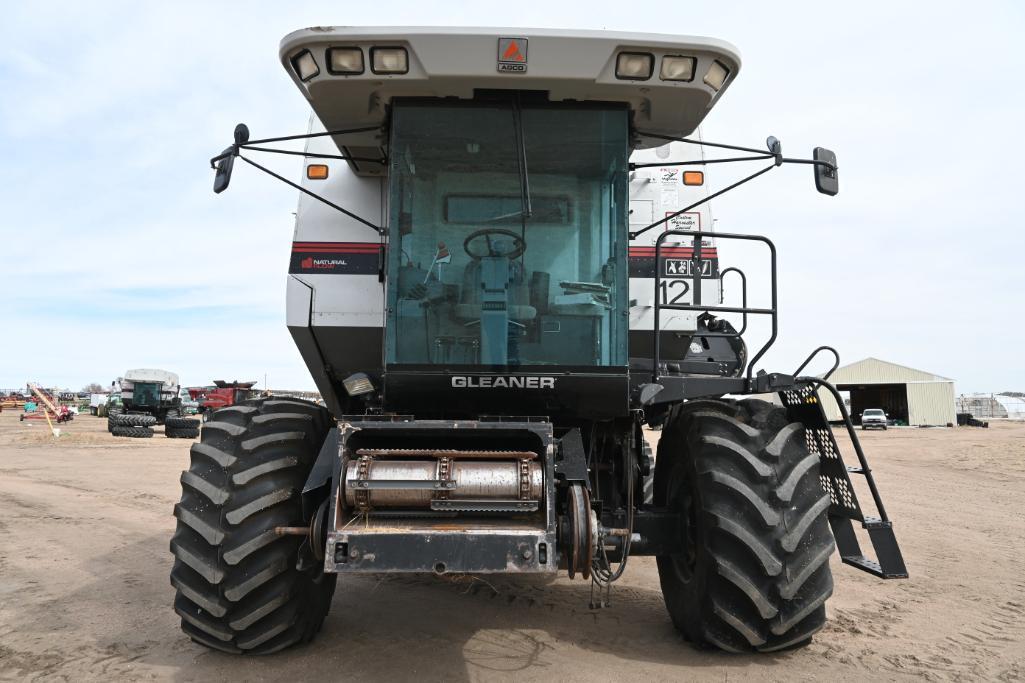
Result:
876,523
863,563
890,562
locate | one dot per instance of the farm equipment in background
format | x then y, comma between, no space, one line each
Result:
98,404
222,395
485,413
47,406
149,397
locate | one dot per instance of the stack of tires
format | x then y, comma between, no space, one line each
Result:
181,427
132,426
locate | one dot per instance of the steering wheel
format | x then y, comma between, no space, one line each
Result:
520,245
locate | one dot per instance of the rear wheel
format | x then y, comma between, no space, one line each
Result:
239,586
754,572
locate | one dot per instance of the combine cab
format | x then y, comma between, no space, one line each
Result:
502,270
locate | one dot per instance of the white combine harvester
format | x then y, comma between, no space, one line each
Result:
149,397
492,225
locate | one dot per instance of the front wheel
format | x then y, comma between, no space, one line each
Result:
240,587
753,573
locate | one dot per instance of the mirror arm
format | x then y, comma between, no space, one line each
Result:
814,162
380,160
304,136
702,143
703,162
316,196
635,235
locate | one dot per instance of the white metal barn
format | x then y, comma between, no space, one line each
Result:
907,395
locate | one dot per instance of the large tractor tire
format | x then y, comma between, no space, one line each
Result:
754,572
181,423
239,588
132,432
111,417
134,420
181,432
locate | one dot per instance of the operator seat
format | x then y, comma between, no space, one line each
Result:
469,306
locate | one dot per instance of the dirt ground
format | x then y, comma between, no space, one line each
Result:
85,522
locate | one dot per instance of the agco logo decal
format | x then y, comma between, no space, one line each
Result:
502,382
512,55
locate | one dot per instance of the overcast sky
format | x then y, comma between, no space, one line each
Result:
114,253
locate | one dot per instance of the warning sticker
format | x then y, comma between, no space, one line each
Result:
670,175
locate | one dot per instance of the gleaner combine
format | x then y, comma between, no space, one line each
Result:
476,296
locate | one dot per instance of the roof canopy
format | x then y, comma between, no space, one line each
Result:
455,62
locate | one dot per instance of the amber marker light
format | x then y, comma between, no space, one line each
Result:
316,171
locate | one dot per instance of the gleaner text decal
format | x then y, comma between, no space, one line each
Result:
502,382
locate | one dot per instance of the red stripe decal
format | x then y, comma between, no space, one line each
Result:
374,245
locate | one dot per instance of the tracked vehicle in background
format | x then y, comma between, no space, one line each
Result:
496,281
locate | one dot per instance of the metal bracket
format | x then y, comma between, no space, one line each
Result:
571,465
484,505
403,484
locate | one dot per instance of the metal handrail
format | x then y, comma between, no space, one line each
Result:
743,292
836,363
695,279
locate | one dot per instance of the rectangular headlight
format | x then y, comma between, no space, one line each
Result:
677,68
357,384
389,60
305,65
634,66
716,75
345,60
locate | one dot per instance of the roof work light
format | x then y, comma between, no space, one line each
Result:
345,61
389,60
634,66
305,65
677,68
716,75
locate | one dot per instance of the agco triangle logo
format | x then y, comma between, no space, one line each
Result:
512,55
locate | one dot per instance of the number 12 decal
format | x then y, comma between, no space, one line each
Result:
665,286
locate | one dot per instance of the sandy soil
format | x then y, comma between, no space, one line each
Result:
84,594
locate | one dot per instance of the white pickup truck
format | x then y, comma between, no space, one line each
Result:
873,418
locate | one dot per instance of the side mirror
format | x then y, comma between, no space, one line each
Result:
826,180
224,166
227,161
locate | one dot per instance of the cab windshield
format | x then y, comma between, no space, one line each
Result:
507,235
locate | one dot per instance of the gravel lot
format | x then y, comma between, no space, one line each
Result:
85,522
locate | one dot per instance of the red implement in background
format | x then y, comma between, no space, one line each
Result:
222,394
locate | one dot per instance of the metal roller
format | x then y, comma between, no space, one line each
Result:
373,483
